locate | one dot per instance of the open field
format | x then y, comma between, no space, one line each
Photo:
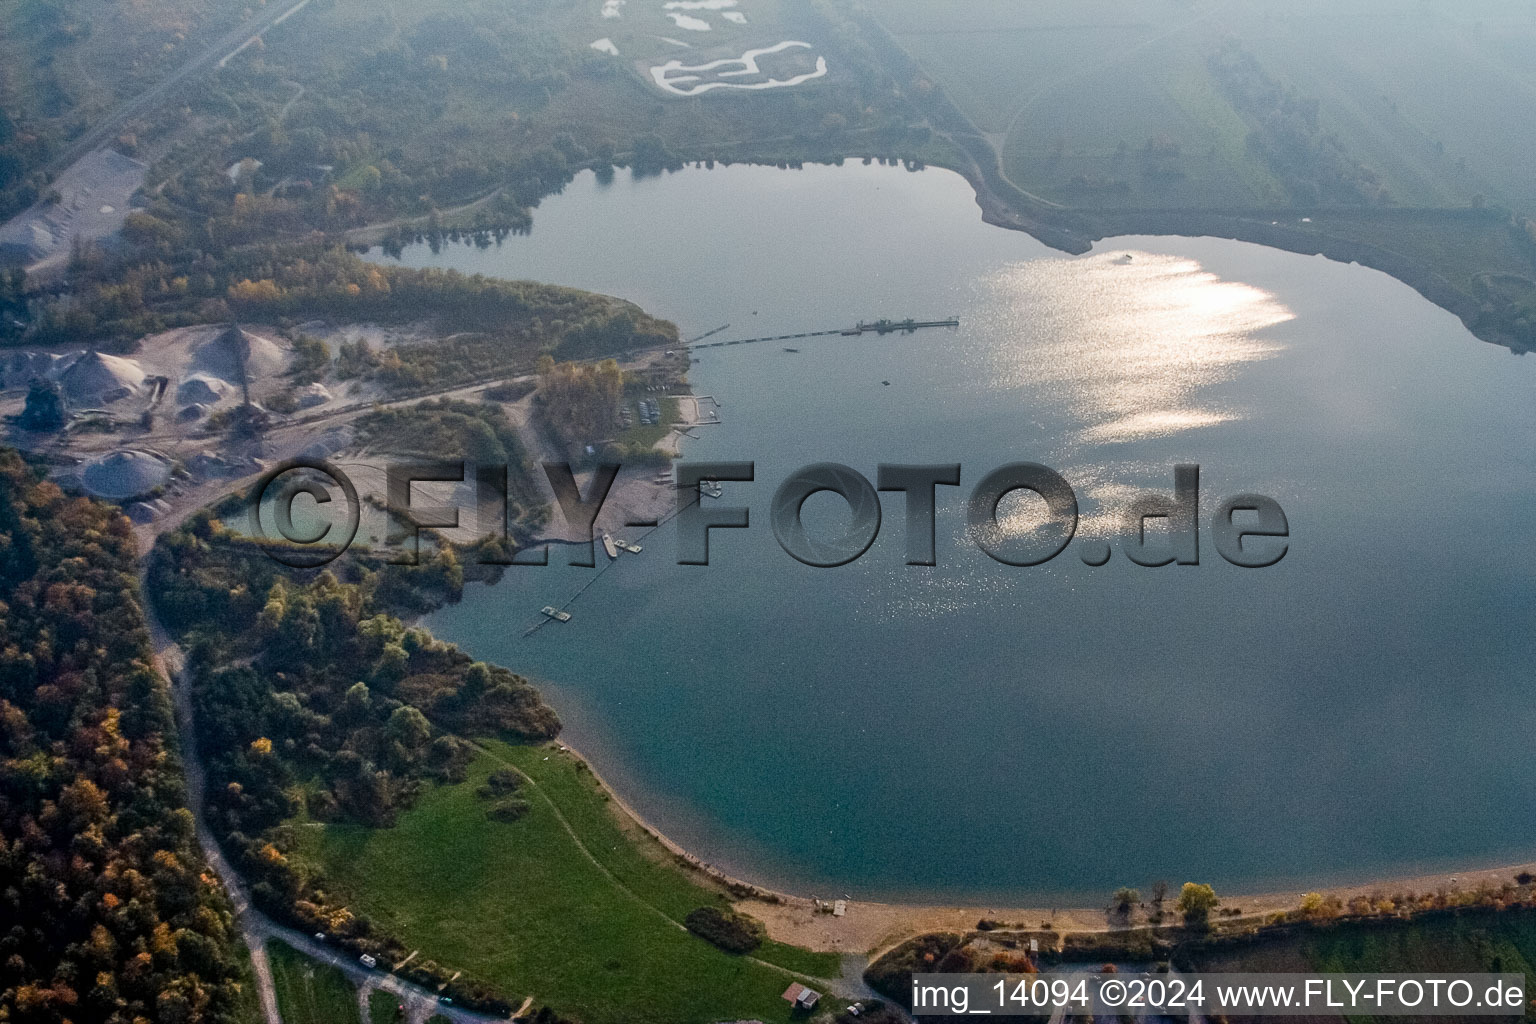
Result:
383,1007
1417,90
310,993
563,904
1072,92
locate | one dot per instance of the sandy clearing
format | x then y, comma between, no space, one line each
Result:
874,927
675,73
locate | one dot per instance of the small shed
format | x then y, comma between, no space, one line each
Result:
802,998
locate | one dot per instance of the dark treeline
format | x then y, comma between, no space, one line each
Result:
107,911
166,284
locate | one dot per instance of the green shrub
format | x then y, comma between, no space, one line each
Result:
508,810
891,975
383,1007
732,932
502,782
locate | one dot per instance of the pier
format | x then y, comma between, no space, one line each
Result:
709,334
872,327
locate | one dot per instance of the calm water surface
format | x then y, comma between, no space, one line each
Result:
976,731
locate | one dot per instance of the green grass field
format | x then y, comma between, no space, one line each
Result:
647,436
565,904
1060,85
383,1007
310,993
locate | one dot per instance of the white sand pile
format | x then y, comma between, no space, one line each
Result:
147,511
98,379
202,388
125,474
233,353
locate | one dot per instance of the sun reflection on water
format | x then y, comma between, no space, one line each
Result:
1131,342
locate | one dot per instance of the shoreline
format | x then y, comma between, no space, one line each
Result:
871,927
1078,231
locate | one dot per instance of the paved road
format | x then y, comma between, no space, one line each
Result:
146,100
255,927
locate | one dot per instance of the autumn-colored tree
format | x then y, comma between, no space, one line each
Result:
108,913
1196,901
580,400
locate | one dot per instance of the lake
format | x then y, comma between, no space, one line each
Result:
983,732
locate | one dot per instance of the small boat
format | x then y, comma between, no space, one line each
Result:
555,613
711,489
609,546
788,349
625,545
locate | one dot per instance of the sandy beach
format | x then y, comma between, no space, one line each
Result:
875,927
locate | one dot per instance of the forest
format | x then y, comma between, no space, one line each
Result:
110,912
119,299
578,402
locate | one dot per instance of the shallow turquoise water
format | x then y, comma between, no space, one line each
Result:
980,731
